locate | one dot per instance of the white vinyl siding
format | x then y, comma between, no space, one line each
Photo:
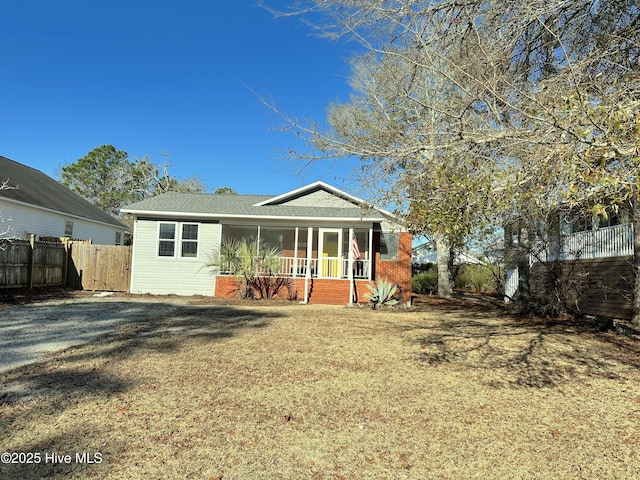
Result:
175,274
24,220
321,197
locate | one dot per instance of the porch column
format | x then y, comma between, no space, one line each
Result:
295,271
350,276
372,255
307,275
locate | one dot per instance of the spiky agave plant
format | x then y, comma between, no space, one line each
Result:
382,293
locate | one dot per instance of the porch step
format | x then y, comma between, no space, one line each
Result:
334,291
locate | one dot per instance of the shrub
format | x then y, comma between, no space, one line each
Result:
426,282
268,286
475,277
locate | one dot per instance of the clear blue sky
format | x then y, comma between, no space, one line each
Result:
154,76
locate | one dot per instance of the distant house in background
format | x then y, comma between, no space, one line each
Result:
313,228
425,253
39,205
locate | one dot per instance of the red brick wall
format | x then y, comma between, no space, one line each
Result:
323,290
226,286
396,271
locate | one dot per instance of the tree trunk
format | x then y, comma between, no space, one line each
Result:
635,319
443,253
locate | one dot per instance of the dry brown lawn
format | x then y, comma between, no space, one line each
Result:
453,389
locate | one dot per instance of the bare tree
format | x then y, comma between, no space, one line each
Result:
5,226
537,97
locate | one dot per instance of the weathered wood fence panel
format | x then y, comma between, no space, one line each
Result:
99,267
14,264
78,265
26,263
48,265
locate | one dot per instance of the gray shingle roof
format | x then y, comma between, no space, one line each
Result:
36,188
241,206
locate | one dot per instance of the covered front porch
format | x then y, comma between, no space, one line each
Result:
311,252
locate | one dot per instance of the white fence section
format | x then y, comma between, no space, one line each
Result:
605,242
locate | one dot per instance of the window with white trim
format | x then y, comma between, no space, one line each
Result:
189,247
168,239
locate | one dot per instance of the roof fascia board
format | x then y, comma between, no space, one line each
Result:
151,214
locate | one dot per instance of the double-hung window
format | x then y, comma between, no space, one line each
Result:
178,237
189,240
167,240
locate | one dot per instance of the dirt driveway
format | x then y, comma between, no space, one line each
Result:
29,332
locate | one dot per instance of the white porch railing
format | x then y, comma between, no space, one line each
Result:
605,242
330,267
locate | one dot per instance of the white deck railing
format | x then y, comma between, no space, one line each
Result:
330,267
605,242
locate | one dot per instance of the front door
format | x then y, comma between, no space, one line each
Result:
331,252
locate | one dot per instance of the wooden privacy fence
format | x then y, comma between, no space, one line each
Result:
78,265
27,263
99,267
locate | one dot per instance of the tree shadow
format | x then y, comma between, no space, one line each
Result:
505,351
80,373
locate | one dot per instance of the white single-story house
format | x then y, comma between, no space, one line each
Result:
332,244
35,203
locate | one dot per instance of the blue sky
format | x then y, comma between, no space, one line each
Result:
158,76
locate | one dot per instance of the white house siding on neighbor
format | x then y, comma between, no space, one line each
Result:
24,220
175,274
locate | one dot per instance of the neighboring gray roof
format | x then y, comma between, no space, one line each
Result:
226,205
37,189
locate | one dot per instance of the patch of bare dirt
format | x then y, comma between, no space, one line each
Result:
452,389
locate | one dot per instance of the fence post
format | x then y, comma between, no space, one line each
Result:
32,259
65,263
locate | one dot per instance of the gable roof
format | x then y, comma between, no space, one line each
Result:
317,201
41,191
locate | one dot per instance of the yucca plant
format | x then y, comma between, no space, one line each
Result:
382,293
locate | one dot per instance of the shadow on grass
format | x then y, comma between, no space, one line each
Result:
51,457
507,351
143,327
79,373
